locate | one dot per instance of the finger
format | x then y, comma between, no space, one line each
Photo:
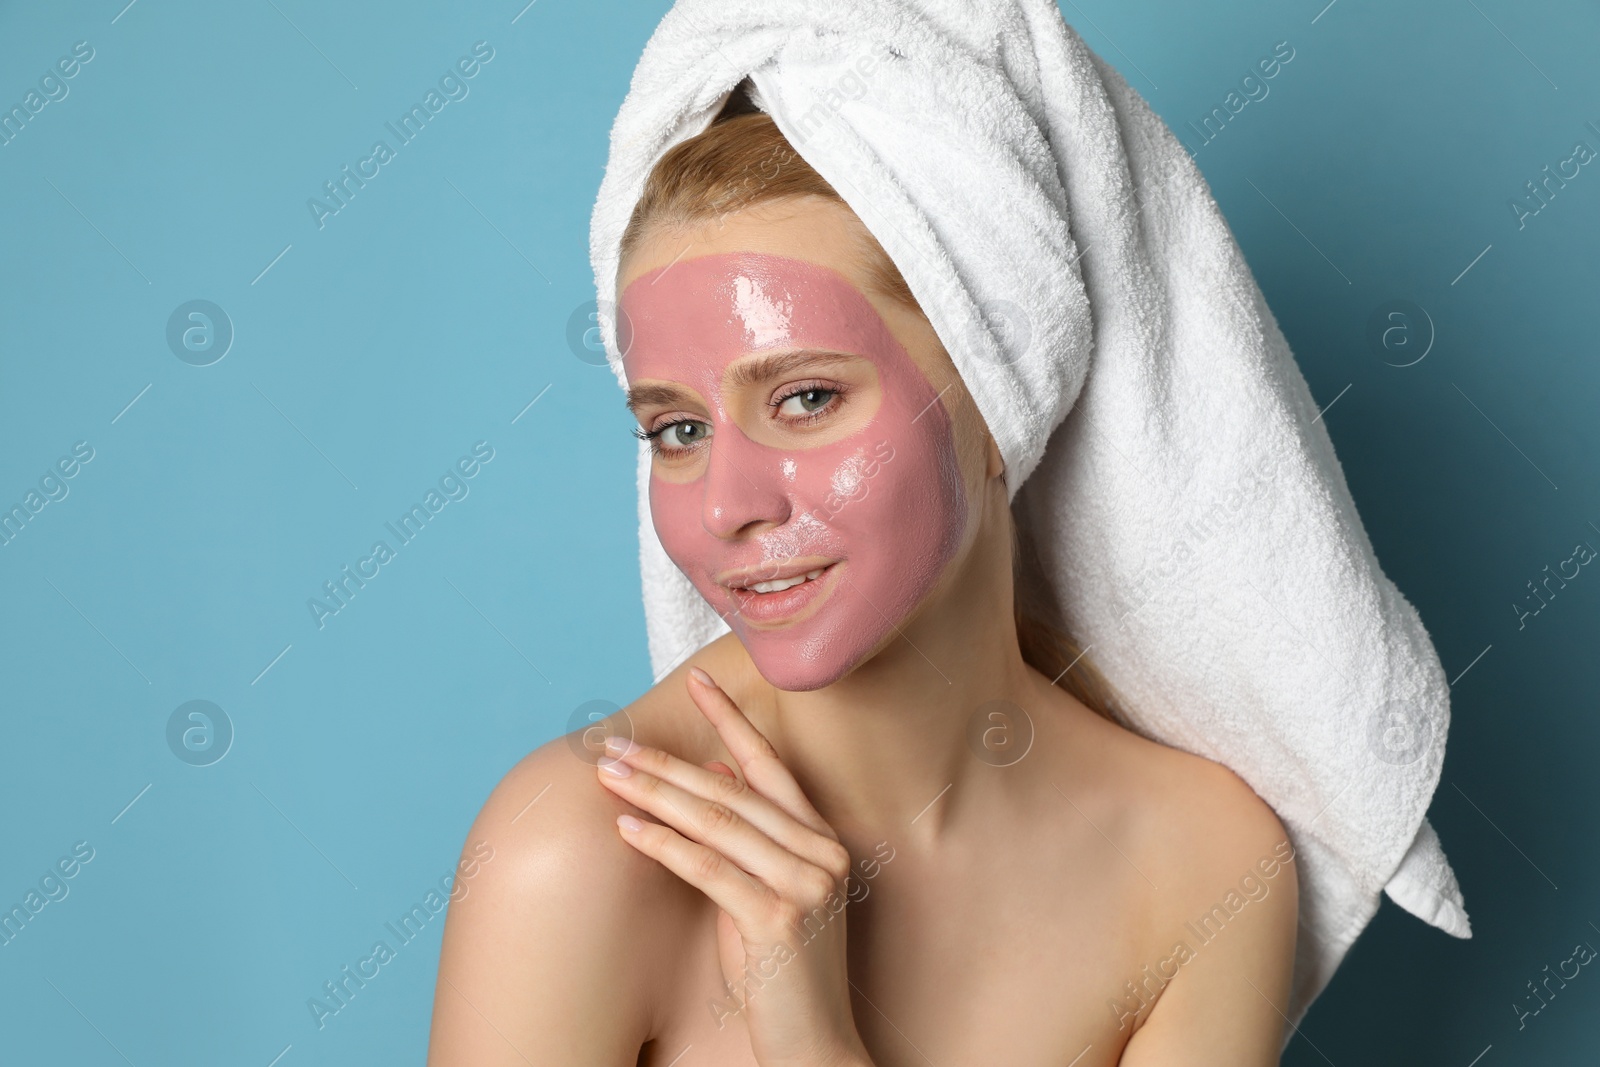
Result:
719,827
753,752
762,813
751,905
721,768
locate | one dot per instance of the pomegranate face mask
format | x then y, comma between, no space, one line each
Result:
812,503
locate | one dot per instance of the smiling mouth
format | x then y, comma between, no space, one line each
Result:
778,585
774,575
767,597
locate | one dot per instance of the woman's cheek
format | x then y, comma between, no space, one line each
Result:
913,509
675,513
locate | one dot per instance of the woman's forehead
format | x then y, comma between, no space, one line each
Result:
808,227
698,315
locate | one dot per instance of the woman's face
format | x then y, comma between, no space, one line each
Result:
805,474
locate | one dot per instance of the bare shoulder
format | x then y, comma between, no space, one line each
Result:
1205,817
1192,818
1225,907
553,829
558,931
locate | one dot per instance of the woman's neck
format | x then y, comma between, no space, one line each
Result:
891,745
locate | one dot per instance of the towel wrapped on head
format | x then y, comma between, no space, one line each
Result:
1165,458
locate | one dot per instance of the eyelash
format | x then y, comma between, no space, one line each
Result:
838,393
797,389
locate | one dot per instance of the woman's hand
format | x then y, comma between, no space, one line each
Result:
759,850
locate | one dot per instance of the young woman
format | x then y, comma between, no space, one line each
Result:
888,819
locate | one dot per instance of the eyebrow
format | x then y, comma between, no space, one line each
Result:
647,395
748,373
756,371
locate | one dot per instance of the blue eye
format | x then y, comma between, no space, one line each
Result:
682,434
808,401
675,437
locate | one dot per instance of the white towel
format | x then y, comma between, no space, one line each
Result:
1193,522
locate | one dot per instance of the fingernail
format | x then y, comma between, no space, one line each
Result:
629,823
616,768
620,746
702,677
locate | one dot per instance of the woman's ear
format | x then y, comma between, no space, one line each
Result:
996,462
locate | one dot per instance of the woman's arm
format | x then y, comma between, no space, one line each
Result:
543,963
1228,1001
777,871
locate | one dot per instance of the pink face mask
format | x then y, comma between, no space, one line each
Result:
812,545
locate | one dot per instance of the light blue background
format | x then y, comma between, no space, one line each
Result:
428,313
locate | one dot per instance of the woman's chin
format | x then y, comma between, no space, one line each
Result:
794,668
804,680
815,648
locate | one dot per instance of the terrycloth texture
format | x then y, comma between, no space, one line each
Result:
1193,523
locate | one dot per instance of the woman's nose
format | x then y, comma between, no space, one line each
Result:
744,485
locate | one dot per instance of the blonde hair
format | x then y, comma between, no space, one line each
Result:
742,159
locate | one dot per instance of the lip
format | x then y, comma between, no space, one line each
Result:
738,579
787,605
